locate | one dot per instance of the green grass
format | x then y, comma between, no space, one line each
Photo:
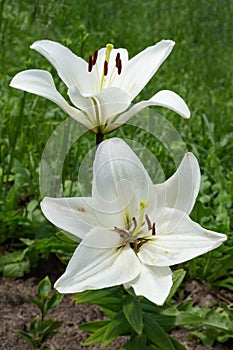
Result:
199,69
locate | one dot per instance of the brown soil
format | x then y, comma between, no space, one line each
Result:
17,312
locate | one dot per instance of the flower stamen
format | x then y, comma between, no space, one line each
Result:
90,63
123,233
118,63
134,223
143,205
109,48
153,230
94,59
148,222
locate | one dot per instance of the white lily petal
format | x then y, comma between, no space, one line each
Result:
154,283
143,66
171,100
101,106
163,98
181,189
75,215
111,102
84,103
73,70
120,178
178,239
41,83
92,267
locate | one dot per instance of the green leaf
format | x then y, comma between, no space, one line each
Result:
116,327
107,297
137,342
49,328
177,278
133,313
156,334
187,318
111,311
95,337
16,269
44,288
225,283
27,337
177,345
34,326
165,321
53,302
93,326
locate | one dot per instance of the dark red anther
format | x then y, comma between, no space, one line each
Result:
148,222
117,59
153,230
95,57
134,223
119,68
89,63
105,68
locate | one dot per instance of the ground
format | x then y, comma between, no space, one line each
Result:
17,312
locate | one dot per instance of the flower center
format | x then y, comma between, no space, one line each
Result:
105,71
139,231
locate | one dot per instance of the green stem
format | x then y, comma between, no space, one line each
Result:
99,139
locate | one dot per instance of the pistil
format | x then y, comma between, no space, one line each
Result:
109,48
143,205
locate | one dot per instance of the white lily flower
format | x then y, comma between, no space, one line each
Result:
101,90
131,229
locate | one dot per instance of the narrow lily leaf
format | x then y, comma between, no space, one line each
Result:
118,326
96,337
133,313
169,322
177,345
156,334
34,326
165,322
186,318
138,342
54,301
99,297
177,278
27,337
93,326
